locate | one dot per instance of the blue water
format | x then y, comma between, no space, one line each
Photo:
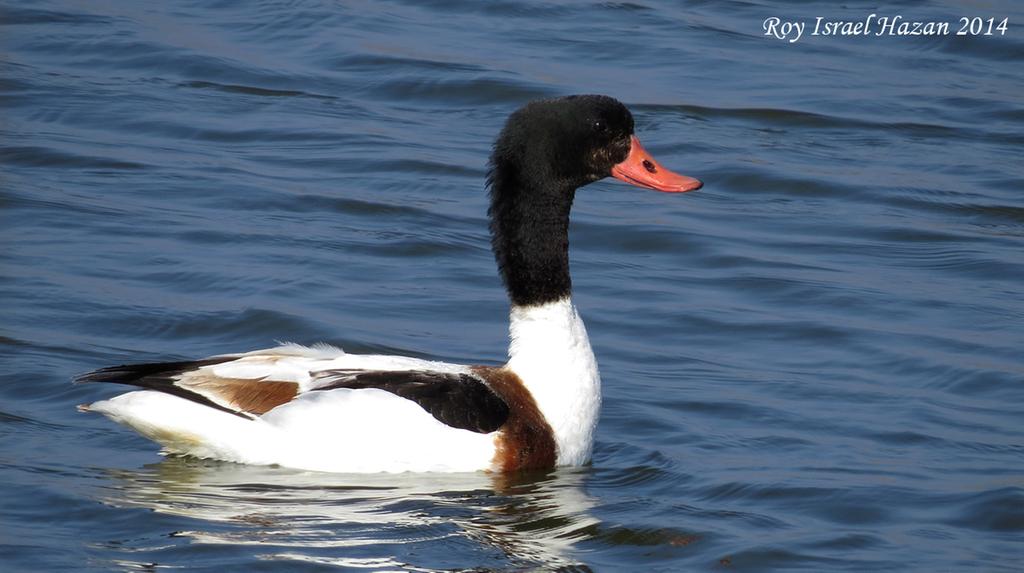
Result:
814,363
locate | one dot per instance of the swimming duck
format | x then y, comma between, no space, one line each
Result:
320,408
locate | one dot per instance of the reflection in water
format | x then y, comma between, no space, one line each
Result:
368,521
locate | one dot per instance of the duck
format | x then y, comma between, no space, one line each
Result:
319,408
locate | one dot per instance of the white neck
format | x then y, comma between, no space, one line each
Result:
550,352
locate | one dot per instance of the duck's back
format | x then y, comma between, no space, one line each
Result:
313,408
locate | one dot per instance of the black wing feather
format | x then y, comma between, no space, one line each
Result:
160,376
458,400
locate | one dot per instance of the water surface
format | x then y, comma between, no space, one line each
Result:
814,363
